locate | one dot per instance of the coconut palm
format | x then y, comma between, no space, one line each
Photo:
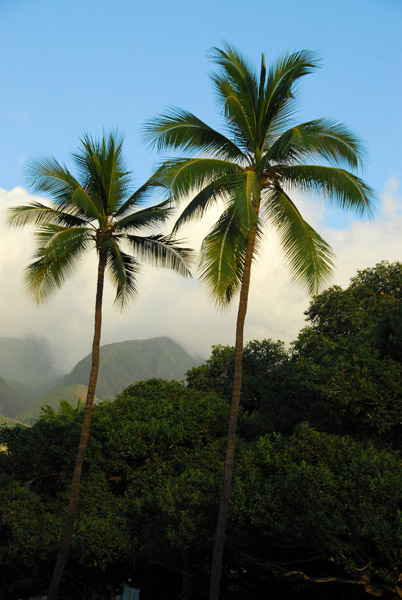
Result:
254,168
94,210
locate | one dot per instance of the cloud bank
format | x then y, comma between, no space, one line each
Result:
180,308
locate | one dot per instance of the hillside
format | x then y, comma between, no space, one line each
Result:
126,362
70,393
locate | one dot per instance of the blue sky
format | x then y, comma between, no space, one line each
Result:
76,66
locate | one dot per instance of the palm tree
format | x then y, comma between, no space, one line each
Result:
253,169
93,210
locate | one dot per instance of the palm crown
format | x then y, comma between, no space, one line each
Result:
93,210
255,168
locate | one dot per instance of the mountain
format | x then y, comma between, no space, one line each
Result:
26,360
121,364
126,362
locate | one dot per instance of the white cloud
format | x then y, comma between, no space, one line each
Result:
180,308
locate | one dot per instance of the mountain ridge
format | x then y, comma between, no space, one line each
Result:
121,363
159,357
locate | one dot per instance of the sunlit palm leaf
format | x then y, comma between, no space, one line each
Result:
181,130
245,196
210,194
122,269
279,105
139,197
146,218
102,165
237,90
47,175
37,214
240,122
309,257
182,176
162,251
57,256
349,191
222,257
317,139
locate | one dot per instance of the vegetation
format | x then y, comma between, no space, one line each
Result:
317,489
93,211
254,171
317,486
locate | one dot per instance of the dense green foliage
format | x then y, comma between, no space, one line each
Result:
318,484
351,355
311,502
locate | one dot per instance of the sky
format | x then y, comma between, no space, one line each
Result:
71,67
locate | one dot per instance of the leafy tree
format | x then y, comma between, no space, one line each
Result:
96,211
309,506
272,396
254,171
149,434
316,506
350,356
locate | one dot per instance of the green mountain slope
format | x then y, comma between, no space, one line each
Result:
126,362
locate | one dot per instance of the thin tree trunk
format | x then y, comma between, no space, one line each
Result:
76,480
216,564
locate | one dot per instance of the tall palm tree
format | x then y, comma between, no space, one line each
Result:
254,168
94,210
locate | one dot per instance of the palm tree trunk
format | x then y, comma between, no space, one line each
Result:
76,480
216,564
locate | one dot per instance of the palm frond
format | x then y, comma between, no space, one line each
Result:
320,138
140,196
279,97
47,175
237,91
346,189
308,255
57,256
122,269
245,193
222,257
237,119
85,204
163,251
148,217
184,175
203,201
181,130
102,167
36,213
